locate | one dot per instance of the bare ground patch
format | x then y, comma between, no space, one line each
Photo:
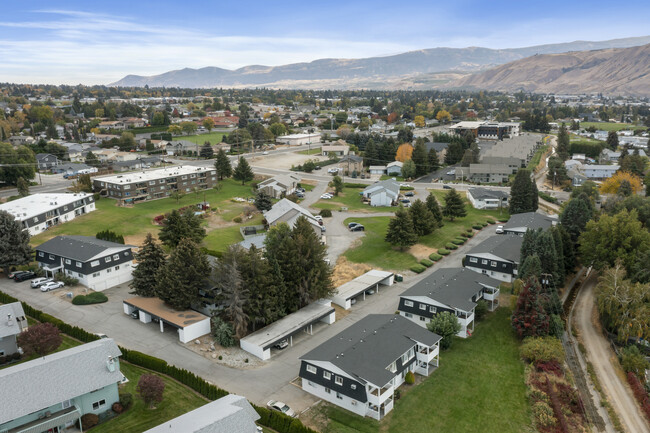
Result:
420,251
345,270
230,356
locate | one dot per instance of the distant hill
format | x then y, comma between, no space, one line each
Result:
616,71
420,69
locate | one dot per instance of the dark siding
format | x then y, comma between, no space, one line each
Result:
85,268
358,394
415,309
503,267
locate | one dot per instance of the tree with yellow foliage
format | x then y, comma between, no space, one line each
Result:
419,121
443,116
404,152
613,184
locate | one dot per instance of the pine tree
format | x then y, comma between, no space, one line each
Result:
423,221
420,159
92,160
454,205
151,259
434,162
568,250
370,154
263,201
23,187
548,256
529,244
279,252
531,267
563,143
262,305
612,140
206,151
177,226
529,319
434,208
575,216
559,258
533,196
243,171
232,291
14,243
521,193
222,164
400,230
184,274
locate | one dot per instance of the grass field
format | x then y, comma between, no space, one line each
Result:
313,151
478,388
177,400
610,126
351,199
212,137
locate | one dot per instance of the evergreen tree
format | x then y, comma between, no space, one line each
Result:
522,196
531,267
184,274
409,169
232,292
243,171
222,164
559,258
400,230
434,162
454,205
548,256
23,187
370,154
529,319
151,259
14,243
533,196
263,201
612,140
575,216
529,244
563,143
177,226
206,151
434,208
454,153
568,251
423,221
262,305
279,250
92,160
420,159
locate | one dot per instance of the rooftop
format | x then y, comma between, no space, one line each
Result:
362,283
157,307
287,211
504,246
484,193
36,204
144,176
529,220
81,248
10,326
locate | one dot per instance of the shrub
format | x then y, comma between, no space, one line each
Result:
110,236
458,241
552,367
91,298
409,378
434,257
418,269
89,420
466,235
150,388
543,414
450,246
223,332
40,339
469,230
354,185
639,392
237,220
66,279
406,188
427,263
632,360
481,309
117,408
484,224
542,349
491,221
220,358
446,325
443,252
326,213
477,227
126,398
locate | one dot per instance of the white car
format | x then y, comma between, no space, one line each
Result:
265,153
326,196
499,229
332,170
280,407
51,286
40,281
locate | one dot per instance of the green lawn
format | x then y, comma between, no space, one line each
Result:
220,239
387,176
212,137
535,160
312,151
479,387
67,343
610,126
351,199
177,400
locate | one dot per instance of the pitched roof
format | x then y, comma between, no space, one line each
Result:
391,187
521,222
11,326
438,147
287,211
38,384
81,248
507,247
353,158
453,287
484,193
366,348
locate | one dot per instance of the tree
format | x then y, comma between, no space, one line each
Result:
434,162
454,205
400,230
110,236
92,160
618,179
420,159
222,164
206,151
575,216
443,116
408,169
454,153
208,123
174,130
150,388
23,187
177,226
150,259
262,306
557,172
423,221
612,140
14,243
523,194
419,121
222,331
278,129
16,163
188,127
184,274
434,208
404,152
445,325
233,294
243,171
632,360
263,201
531,267
337,184
529,319
40,339
646,180
563,143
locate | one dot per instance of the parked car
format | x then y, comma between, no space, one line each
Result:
352,224
13,274
333,170
406,202
51,286
405,185
100,335
409,194
446,187
322,229
357,228
281,344
24,276
281,407
326,196
135,315
265,153
300,195
36,283
499,229
370,292
302,190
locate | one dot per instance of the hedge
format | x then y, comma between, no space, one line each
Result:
435,257
418,269
355,185
91,298
443,252
427,263
450,246
477,227
458,241
491,221
469,230
275,420
406,188
326,213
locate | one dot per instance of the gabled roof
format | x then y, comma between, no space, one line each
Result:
352,158
521,222
81,248
38,384
438,147
484,193
11,326
395,164
366,348
388,185
287,211
453,287
505,247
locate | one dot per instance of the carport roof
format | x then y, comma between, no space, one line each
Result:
157,307
362,283
289,325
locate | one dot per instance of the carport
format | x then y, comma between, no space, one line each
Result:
189,324
259,343
370,280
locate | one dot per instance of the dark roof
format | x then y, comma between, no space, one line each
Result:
529,220
453,287
439,147
42,156
368,347
483,193
506,247
81,248
353,158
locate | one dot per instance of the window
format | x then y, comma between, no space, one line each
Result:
393,367
473,260
409,315
78,264
108,271
117,267
94,263
127,186
423,307
35,219
484,262
338,380
422,319
432,309
51,257
327,390
152,182
493,264
99,404
339,396
408,303
80,274
40,254
327,375
116,256
353,386
107,259
311,369
67,261
96,274
184,177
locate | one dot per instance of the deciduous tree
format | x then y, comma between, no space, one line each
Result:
404,152
445,325
39,339
150,388
23,187
337,184
614,183
408,169
529,319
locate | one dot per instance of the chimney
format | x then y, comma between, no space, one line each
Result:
9,321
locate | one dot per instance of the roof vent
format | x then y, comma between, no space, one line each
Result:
9,321
110,364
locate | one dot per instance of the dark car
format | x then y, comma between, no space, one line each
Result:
357,228
24,276
446,187
350,225
13,274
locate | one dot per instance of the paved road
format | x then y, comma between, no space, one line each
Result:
50,183
605,363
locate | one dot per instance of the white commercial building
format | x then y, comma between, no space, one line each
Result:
298,139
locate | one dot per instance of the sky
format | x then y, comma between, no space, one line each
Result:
87,42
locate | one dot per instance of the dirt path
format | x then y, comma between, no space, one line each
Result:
605,363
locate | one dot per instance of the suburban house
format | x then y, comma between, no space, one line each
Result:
382,193
350,163
440,148
483,198
96,263
288,212
52,393
594,171
21,140
38,212
120,166
360,368
519,223
74,169
496,257
485,173
454,290
608,155
279,186
377,169
46,161
12,323
111,124
394,168
228,414
336,149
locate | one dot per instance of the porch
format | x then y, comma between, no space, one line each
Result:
491,295
378,412
55,422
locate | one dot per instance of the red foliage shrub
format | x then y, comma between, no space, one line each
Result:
40,339
117,408
639,393
89,420
552,367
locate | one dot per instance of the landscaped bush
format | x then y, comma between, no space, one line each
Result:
549,198
466,235
639,392
418,269
491,221
325,213
443,252
237,220
481,309
409,378
66,279
542,349
91,298
435,257
355,185
406,188
484,224
469,230
126,399
477,227
427,263
458,241
543,414
117,408
9,358
450,246
89,420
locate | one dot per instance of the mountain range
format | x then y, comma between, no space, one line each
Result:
421,69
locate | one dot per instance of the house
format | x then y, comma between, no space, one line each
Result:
394,168
53,392
228,414
360,368
496,257
127,165
576,176
349,164
74,169
106,155
483,198
96,263
21,140
12,323
454,290
111,124
440,148
298,139
126,156
594,171
486,173
336,149
377,169
38,212
608,155
280,186
519,223
382,193
46,161
288,212
133,122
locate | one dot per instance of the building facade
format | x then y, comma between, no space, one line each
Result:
496,257
482,198
12,323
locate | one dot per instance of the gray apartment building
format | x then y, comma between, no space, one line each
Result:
154,184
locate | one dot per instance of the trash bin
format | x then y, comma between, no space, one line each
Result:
399,278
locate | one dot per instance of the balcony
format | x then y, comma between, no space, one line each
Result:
427,354
490,294
465,318
378,411
378,396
